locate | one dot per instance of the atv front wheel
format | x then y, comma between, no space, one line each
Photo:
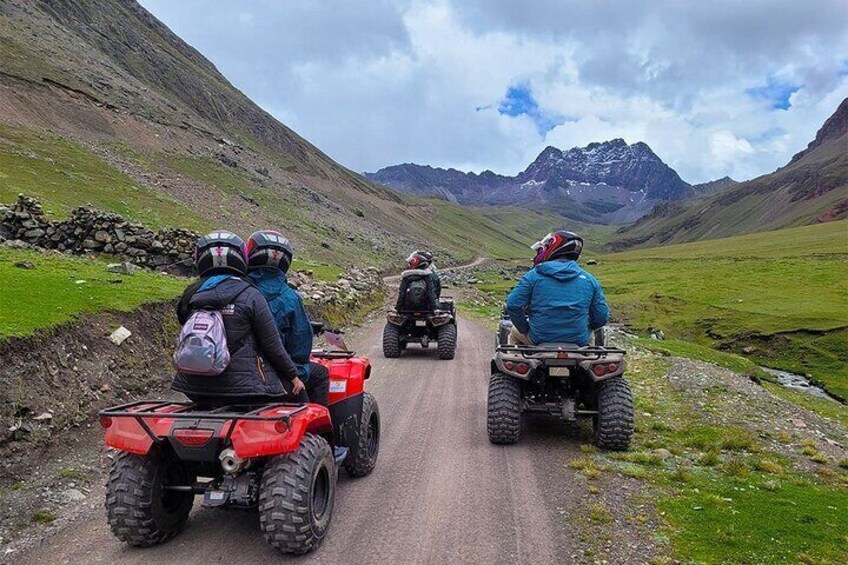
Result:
391,342
140,510
296,496
614,422
362,457
447,341
503,418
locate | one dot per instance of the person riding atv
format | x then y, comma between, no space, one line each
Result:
557,301
269,256
420,286
226,319
543,362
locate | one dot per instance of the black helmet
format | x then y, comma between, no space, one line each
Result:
269,249
419,259
558,245
220,252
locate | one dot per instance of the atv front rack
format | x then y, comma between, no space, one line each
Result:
141,409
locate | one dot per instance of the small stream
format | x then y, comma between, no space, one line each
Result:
795,381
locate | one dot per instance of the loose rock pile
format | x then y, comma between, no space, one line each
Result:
90,230
354,286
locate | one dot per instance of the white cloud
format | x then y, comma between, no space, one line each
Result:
388,81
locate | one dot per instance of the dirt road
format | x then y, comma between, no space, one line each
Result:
440,493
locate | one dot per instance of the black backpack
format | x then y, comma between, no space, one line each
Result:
416,294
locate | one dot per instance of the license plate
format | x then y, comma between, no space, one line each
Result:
421,323
338,386
558,371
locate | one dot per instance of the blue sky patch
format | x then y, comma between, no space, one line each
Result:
776,92
519,101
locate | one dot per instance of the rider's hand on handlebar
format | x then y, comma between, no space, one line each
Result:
297,386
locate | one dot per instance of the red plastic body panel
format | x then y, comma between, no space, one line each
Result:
347,376
250,438
126,433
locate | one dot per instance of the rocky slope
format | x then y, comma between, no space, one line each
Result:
609,182
102,104
811,188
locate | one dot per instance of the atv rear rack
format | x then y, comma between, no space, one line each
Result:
332,354
185,412
531,351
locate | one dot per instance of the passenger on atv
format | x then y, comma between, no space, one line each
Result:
269,256
250,363
420,286
556,301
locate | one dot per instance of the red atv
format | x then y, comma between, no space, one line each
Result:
277,457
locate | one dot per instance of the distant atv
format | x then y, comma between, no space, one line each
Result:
562,380
276,457
404,327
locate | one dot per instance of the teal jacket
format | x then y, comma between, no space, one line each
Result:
557,302
289,314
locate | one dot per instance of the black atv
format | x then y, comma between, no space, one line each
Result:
562,380
406,326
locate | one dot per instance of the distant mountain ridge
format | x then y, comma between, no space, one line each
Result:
811,188
608,182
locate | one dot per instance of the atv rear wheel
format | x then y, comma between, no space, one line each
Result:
296,496
503,418
447,341
614,422
362,457
140,511
391,341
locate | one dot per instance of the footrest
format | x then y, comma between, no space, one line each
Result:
340,454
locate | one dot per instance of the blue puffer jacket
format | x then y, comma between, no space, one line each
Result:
289,314
562,301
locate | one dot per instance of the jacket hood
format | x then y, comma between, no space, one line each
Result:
560,270
217,293
272,282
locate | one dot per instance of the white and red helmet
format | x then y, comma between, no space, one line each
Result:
419,259
558,245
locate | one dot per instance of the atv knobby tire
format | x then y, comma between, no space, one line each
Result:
614,422
362,456
447,341
391,341
140,512
503,419
296,496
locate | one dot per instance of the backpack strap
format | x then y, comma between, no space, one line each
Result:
238,344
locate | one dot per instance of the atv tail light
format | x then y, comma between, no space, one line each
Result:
612,368
522,368
562,355
281,426
509,365
105,421
193,438
599,370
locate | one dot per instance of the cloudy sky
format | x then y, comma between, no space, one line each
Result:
715,88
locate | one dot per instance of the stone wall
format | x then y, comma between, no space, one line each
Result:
89,230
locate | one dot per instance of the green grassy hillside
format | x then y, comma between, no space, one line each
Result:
782,296
59,289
